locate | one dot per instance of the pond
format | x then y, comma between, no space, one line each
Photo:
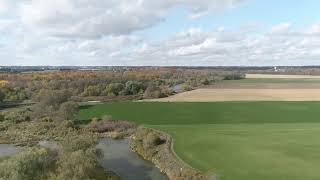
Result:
119,158
8,150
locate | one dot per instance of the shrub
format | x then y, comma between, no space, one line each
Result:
234,76
107,125
77,165
68,110
2,117
114,89
186,87
151,140
133,88
32,164
92,91
17,116
53,97
80,142
2,95
106,118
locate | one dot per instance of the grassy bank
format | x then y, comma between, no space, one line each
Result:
237,140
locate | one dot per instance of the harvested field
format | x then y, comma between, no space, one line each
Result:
276,76
216,95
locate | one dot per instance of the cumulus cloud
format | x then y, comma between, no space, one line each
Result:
101,32
196,47
98,18
281,28
192,47
4,6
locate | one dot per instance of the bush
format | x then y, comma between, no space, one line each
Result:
133,88
106,118
186,87
80,142
68,110
114,89
107,125
234,76
92,91
18,116
151,140
2,95
77,165
32,164
2,117
53,98
152,91
79,160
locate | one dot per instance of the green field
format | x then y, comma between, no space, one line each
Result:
236,140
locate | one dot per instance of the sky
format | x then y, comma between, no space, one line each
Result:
159,32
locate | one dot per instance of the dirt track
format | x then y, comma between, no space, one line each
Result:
212,95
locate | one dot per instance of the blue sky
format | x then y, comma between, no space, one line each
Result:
301,14
153,32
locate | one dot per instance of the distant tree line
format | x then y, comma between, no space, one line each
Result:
141,83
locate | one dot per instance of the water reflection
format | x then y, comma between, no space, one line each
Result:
9,150
119,158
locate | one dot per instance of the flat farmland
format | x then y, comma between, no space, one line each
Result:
257,94
259,128
276,76
253,89
236,140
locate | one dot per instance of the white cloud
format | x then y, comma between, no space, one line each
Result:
281,28
190,47
315,29
99,32
4,6
194,49
211,48
97,18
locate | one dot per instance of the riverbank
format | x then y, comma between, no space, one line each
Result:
156,146
119,158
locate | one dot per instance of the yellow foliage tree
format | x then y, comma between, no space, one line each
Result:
4,84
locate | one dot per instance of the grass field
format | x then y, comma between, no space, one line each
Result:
237,140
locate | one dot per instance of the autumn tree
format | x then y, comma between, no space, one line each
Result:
92,91
68,110
114,89
133,87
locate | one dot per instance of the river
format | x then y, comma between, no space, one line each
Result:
8,150
118,158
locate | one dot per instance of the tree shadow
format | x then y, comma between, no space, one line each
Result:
84,107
